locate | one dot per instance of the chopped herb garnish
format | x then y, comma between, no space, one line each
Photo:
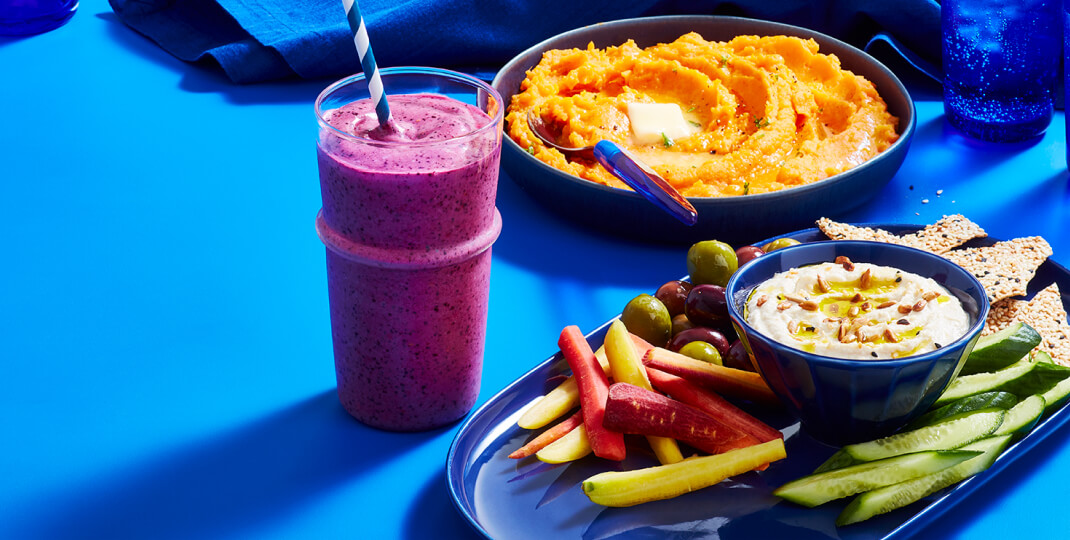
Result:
746,188
760,122
724,60
531,150
694,123
666,140
691,109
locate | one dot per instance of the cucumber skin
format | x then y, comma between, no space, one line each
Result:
1042,378
886,499
900,442
1056,396
1012,422
999,350
817,489
965,386
984,400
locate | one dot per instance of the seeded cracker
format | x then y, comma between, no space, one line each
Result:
1004,268
939,238
1045,313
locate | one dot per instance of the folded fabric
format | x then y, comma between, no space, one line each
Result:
261,40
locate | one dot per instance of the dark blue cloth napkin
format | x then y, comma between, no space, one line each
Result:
260,40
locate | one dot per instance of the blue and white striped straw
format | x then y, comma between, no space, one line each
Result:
367,61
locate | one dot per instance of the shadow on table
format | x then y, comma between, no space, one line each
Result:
431,514
536,238
207,77
234,483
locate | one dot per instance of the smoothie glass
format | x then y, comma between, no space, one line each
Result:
408,219
1000,63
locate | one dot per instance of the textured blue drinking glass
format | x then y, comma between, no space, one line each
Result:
27,17
1001,58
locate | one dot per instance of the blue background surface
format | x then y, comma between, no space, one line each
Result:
164,334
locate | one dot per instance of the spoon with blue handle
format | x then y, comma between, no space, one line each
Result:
625,166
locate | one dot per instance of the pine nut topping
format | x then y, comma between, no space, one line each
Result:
919,306
808,305
865,280
853,312
890,336
761,300
930,295
857,298
823,285
885,305
866,306
783,305
847,264
905,308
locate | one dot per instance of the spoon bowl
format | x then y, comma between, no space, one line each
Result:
633,172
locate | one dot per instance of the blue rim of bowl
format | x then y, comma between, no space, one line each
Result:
905,135
975,328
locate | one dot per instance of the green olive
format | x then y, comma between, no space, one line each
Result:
700,350
711,262
681,323
646,317
779,243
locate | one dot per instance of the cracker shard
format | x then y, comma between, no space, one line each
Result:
1044,312
940,237
1004,268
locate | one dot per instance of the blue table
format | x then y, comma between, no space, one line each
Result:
164,335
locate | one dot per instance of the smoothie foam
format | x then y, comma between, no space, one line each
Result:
408,219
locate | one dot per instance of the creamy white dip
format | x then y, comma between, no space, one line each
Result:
856,311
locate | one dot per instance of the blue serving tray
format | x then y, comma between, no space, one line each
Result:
506,498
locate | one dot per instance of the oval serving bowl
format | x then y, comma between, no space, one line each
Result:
838,400
736,220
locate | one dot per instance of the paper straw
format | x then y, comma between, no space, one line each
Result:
367,61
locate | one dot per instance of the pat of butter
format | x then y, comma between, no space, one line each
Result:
658,123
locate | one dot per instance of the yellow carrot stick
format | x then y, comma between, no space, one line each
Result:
626,365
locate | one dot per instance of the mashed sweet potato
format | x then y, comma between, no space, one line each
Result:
771,112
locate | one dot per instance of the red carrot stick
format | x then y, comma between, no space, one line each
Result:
712,404
548,436
594,390
635,410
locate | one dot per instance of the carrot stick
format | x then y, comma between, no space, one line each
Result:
727,381
712,404
548,436
631,409
626,365
594,390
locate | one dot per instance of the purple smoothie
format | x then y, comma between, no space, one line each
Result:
408,219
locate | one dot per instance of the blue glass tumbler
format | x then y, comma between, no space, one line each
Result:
27,17
1001,59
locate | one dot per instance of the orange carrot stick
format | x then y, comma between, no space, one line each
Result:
712,404
635,410
723,380
594,390
548,436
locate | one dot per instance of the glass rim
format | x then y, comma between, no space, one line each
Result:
495,120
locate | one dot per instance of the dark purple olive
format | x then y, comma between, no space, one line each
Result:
737,357
681,323
706,305
747,254
674,294
699,333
